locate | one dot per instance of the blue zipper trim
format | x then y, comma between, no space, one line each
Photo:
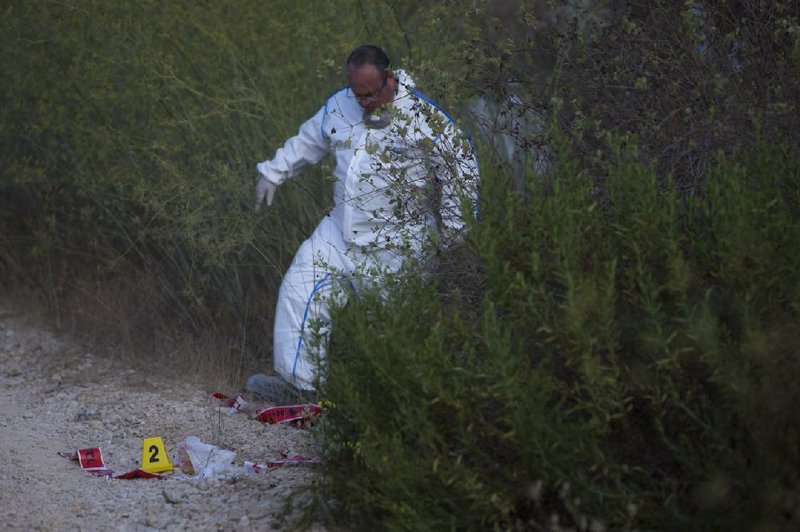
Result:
322,283
422,96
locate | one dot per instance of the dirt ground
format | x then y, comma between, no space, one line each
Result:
58,397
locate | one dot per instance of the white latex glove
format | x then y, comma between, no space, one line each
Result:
265,189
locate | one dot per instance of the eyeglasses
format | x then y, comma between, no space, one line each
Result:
372,96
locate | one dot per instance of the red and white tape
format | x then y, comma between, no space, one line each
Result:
295,415
91,461
252,467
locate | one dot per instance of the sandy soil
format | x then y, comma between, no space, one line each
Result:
57,397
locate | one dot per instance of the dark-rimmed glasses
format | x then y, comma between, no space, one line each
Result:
374,95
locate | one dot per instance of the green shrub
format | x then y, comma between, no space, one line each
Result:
628,361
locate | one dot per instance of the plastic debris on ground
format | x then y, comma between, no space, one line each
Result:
197,459
206,460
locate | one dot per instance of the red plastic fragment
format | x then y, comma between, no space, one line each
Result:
138,473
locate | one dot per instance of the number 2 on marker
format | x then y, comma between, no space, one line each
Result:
154,456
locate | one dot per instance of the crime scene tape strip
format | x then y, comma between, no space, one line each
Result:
91,461
252,467
295,415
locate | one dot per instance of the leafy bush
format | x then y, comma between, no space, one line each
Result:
627,362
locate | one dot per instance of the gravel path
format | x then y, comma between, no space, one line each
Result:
57,397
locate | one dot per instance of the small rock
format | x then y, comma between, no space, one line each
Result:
85,414
172,497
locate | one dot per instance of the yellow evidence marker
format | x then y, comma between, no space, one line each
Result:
154,456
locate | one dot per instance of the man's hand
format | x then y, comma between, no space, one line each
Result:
265,189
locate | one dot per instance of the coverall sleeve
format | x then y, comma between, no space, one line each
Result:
456,168
309,146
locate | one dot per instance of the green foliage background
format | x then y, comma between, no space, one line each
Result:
614,346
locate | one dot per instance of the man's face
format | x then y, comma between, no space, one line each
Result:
372,87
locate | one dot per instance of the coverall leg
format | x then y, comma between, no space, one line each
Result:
321,269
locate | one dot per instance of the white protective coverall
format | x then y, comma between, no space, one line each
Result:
398,190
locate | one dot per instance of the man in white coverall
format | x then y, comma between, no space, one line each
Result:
405,178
